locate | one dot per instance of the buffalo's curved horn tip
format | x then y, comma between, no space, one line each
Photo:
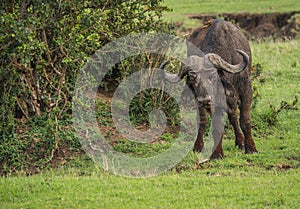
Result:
245,59
162,66
173,78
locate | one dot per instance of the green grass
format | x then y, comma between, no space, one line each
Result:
181,9
280,61
226,6
269,179
199,189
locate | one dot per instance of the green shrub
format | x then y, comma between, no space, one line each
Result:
44,44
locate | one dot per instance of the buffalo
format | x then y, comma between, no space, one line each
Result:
222,68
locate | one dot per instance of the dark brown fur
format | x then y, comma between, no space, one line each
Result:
223,38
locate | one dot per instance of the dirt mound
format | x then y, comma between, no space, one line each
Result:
259,26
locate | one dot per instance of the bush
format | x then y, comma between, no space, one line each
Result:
44,44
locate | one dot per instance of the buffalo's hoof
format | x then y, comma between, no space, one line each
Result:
250,149
240,146
216,156
197,149
198,146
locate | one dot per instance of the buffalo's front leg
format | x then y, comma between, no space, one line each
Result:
218,130
199,144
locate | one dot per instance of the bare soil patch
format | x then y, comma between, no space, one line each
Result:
283,26
114,135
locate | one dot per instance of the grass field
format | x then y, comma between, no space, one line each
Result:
187,7
269,179
181,9
198,189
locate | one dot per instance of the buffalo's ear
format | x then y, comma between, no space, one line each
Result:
230,91
192,75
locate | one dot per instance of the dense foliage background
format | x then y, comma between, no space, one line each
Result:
43,45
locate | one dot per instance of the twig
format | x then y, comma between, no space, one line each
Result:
48,53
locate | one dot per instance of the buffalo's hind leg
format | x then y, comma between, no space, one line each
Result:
232,101
234,121
245,123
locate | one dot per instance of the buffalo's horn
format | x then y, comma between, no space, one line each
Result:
162,66
219,63
173,78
